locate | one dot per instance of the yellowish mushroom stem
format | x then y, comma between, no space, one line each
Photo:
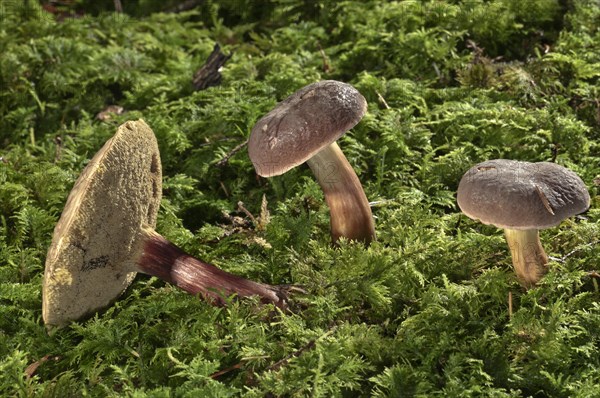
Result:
349,208
166,261
528,256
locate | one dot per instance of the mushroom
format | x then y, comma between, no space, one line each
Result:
106,234
304,128
522,198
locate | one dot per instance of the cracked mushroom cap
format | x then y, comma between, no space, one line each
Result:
512,194
92,256
302,124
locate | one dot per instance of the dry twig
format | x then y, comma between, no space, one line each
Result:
210,73
32,368
312,343
118,6
235,150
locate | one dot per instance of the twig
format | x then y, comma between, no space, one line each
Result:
437,71
243,209
224,188
382,100
118,6
510,304
235,150
476,51
326,65
210,73
577,249
220,373
58,152
32,368
284,361
205,144
238,365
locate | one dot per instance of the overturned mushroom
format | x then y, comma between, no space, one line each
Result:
106,234
304,128
522,198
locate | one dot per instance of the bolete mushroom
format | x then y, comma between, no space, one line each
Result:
522,198
304,128
106,234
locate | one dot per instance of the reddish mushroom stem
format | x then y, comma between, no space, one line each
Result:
349,208
528,256
166,261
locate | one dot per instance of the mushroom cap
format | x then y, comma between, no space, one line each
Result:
512,194
91,260
302,124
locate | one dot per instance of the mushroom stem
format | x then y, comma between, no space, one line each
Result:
166,261
528,256
350,213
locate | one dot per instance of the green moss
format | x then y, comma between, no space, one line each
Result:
423,311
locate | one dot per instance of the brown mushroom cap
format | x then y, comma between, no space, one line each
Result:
302,124
91,259
512,194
